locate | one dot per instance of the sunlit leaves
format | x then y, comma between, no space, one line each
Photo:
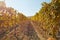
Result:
10,17
49,16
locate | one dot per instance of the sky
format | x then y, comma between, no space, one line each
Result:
27,7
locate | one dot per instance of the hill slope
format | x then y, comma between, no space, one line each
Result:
9,19
49,17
